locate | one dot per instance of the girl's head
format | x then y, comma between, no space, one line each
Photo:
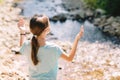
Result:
39,26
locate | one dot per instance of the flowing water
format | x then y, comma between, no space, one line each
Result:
63,31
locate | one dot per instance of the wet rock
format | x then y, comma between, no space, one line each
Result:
82,14
109,25
59,17
100,21
78,17
89,15
71,5
110,20
97,21
99,12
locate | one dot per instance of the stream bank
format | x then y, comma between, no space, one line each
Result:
94,59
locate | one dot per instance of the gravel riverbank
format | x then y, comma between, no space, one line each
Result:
93,61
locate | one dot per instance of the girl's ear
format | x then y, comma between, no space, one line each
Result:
47,30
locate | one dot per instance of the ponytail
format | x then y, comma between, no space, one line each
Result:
42,22
34,51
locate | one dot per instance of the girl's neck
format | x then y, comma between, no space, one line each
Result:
41,41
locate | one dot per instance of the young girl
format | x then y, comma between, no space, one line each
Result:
42,55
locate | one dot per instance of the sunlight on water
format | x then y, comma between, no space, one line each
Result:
63,31
69,29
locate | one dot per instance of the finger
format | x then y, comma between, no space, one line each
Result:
20,23
81,30
21,20
82,26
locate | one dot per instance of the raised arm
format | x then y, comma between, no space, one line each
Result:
74,46
22,31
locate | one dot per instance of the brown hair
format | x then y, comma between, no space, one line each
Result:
40,21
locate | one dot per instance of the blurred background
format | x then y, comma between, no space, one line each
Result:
98,53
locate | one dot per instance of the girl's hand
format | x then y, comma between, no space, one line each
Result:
21,26
74,46
80,34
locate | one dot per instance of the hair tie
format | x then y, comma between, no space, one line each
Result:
35,36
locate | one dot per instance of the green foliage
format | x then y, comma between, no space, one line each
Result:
113,7
91,3
110,6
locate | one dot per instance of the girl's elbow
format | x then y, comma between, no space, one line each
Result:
70,59
67,58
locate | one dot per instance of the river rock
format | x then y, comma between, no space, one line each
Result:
100,21
109,25
89,15
75,10
99,12
110,20
116,27
72,5
59,17
75,15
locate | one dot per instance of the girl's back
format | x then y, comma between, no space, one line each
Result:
48,56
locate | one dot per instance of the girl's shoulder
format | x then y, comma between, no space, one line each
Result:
52,44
